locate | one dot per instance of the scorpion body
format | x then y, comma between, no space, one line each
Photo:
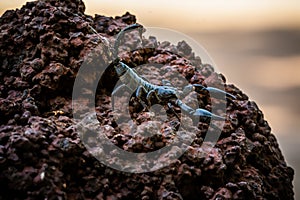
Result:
165,94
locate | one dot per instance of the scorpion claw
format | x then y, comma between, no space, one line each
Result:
200,88
204,113
198,112
217,91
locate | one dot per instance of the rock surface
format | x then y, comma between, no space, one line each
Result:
43,45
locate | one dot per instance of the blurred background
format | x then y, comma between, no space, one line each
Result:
255,44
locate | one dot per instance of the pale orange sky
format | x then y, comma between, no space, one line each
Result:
193,15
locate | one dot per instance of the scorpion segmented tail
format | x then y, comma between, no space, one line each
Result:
121,34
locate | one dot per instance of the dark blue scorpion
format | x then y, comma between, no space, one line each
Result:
165,94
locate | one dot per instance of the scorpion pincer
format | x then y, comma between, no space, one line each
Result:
164,94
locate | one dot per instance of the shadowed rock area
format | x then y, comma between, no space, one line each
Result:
43,45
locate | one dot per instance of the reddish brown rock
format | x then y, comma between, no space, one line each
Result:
42,46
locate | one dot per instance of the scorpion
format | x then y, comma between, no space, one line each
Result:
164,94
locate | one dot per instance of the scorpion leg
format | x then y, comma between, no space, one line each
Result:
198,112
152,96
200,88
140,92
119,88
171,107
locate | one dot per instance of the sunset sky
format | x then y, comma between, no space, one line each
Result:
255,44
194,14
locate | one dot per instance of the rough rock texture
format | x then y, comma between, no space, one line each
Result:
42,46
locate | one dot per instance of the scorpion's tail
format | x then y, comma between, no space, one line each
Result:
121,34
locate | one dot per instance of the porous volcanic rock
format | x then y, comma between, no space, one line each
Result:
42,47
